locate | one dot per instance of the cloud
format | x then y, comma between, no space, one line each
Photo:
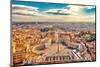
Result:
57,12
75,14
22,13
78,14
25,13
23,10
24,7
75,9
69,9
78,9
90,7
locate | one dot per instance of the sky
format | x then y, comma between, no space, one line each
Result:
23,11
